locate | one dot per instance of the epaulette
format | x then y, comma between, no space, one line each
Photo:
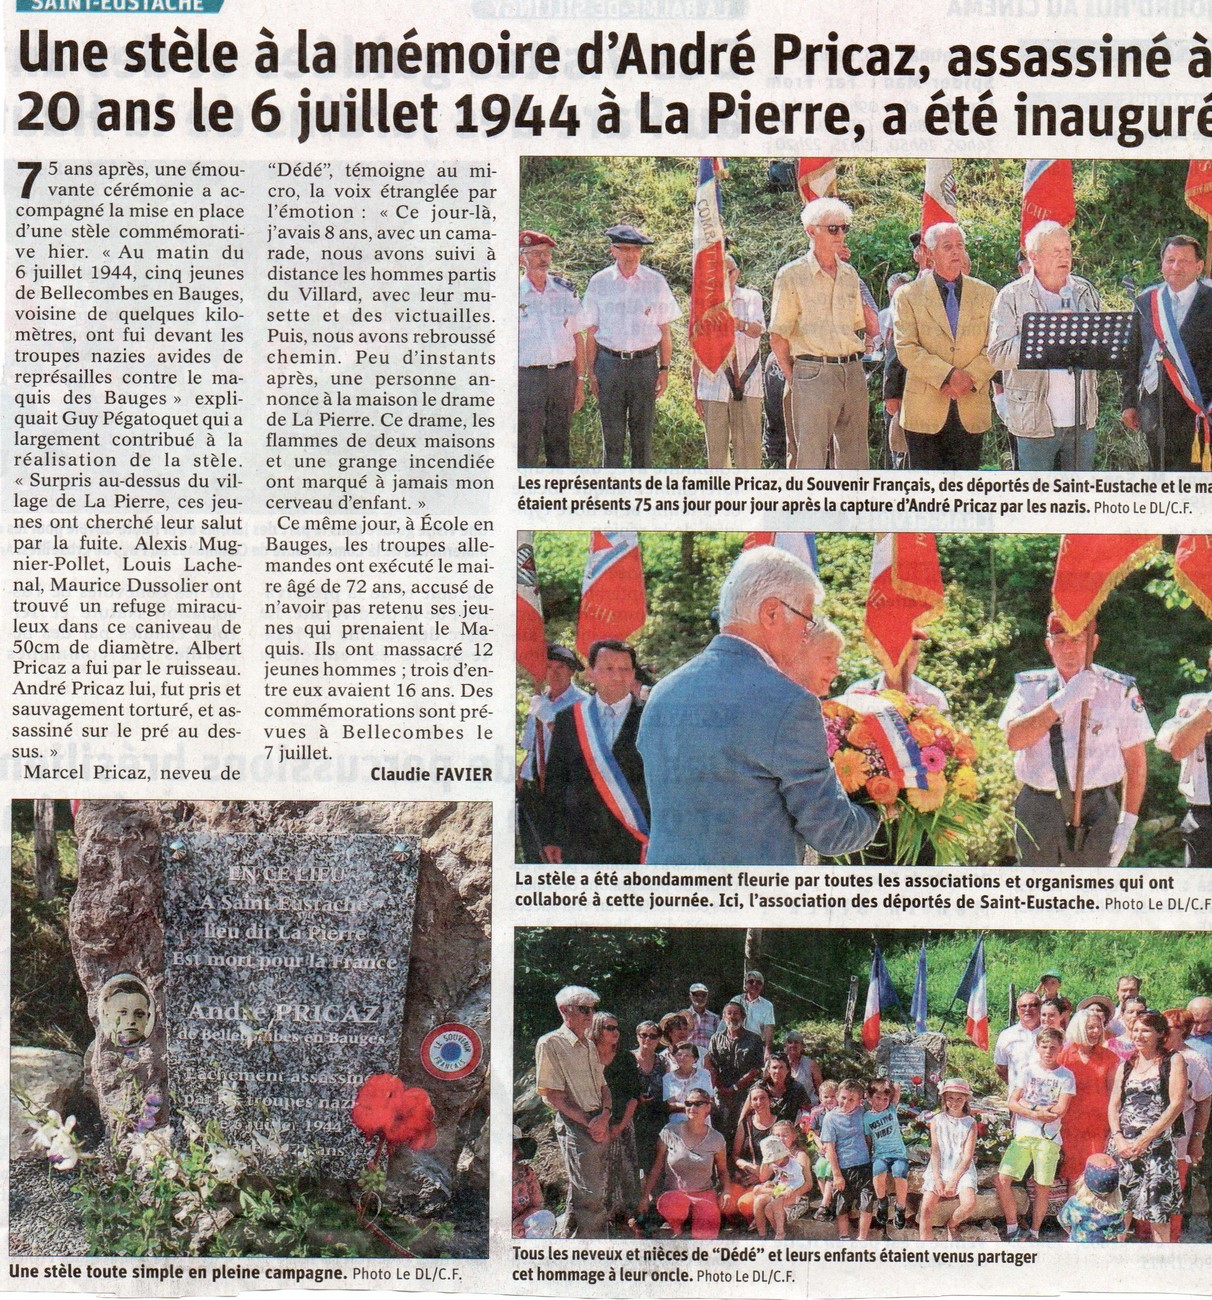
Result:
1033,675
563,282
1120,679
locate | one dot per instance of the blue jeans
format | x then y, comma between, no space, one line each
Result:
1067,448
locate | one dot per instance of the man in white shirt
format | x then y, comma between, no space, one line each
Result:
551,356
1042,722
907,681
1152,402
730,402
759,1010
1015,1046
627,311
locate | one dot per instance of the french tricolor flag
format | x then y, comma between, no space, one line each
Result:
880,993
712,329
1047,194
974,988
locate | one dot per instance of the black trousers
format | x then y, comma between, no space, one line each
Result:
952,447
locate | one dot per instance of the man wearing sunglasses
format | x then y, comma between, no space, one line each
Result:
1015,1046
734,750
571,1082
817,333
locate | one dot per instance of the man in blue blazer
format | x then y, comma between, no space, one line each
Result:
734,751
1151,402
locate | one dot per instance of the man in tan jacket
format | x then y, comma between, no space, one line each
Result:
941,327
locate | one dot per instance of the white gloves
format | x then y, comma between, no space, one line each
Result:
1119,841
1080,687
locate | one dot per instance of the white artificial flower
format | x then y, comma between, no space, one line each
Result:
55,1136
226,1164
146,1148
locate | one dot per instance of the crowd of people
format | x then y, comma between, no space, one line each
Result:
719,1119
725,761
951,347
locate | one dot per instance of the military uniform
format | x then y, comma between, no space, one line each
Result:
1116,721
1193,781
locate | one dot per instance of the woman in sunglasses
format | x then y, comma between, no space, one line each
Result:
649,1116
692,1165
623,1080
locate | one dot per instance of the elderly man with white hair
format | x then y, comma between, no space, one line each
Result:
1041,405
817,333
734,749
570,1080
941,326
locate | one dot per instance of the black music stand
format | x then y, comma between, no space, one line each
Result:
1075,341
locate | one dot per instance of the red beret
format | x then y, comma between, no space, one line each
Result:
535,239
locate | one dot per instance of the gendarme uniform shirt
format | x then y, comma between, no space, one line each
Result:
919,689
1116,720
629,310
548,322
1193,774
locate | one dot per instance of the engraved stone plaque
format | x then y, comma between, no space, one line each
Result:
904,1057
286,966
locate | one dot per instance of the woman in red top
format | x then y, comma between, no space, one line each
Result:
1085,1128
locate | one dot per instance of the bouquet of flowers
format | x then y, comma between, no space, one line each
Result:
913,764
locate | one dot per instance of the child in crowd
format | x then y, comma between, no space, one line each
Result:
1038,1103
849,1157
810,1125
1095,1211
888,1154
781,1175
952,1169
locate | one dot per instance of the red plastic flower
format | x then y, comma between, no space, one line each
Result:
387,1109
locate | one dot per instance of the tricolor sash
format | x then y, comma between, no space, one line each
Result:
608,779
1182,374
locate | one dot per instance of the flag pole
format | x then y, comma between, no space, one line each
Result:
1079,771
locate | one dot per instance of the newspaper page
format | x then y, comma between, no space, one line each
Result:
704,790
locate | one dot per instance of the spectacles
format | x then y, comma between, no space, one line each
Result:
690,1105
809,624
841,228
584,1010
610,1029
759,982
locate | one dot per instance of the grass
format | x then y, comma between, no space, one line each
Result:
1124,210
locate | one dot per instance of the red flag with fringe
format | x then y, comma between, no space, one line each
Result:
816,177
532,637
612,590
1047,194
1089,566
906,590
1198,189
712,329
1193,569
939,195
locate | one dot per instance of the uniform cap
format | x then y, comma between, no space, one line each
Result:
535,239
625,234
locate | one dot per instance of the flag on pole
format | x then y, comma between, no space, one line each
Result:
939,195
917,1009
532,639
816,177
906,590
612,590
1193,569
974,990
1198,190
801,545
1047,194
1089,566
712,329
880,994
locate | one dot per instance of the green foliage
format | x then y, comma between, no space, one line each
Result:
997,602
1124,211
642,973
47,1004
